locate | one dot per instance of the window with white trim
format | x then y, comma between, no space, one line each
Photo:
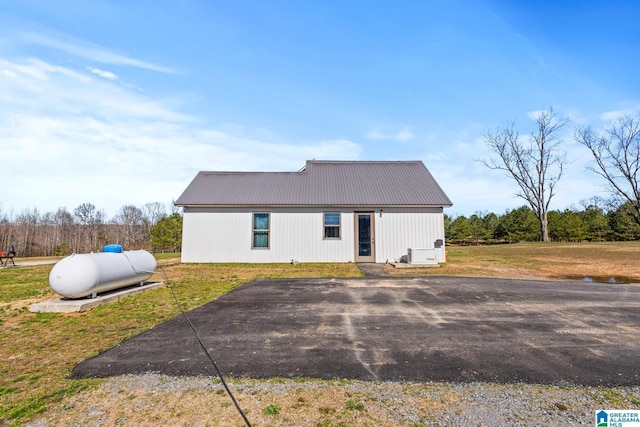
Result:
332,225
260,232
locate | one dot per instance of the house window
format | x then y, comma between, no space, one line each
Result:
332,225
260,231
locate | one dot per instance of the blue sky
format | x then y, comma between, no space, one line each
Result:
120,102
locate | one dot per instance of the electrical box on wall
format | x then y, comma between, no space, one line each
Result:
421,256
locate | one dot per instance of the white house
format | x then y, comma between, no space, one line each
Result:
329,211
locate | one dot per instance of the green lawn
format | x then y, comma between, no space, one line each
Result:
39,350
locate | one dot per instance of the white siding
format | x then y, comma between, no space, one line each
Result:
225,235
400,229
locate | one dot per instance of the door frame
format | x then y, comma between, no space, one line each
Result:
372,234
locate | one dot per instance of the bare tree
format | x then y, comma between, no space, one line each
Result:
173,208
50,235
64,222
153,212
132,218
26,226
535,163
6,232
616,151
85,213
91,220
33,233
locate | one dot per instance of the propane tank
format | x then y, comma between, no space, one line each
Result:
80,275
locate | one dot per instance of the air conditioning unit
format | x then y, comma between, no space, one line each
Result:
422,256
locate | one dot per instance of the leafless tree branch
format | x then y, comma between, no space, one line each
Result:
616,152
536,163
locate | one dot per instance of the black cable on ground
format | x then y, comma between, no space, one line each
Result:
169,284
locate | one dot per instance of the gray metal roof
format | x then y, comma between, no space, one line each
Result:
320,183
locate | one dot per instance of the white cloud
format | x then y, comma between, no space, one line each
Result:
533,115
405,134
59,90
77,138
89,51
36,69
616,114
102,73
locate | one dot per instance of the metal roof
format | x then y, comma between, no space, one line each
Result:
320,183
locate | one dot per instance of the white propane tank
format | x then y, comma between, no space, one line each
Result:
79,275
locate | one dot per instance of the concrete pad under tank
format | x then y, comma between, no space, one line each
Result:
67,305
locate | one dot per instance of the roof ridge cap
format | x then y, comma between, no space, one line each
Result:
364,161
245,172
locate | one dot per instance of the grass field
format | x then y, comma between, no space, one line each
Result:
552,261
38,351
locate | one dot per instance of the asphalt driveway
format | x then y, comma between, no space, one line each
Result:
400,329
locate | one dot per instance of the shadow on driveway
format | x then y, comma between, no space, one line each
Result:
400,329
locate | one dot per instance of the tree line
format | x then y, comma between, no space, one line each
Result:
152,226
537,161
157,227
592,223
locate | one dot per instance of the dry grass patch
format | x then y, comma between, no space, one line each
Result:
539,261
151,400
